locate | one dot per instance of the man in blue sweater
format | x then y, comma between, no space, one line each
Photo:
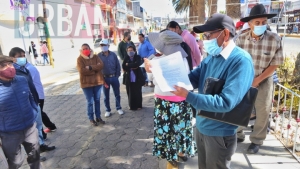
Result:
18,112
216,141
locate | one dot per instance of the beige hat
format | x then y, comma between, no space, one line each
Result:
167,42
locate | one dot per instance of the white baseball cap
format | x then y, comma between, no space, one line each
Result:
104,42
245,26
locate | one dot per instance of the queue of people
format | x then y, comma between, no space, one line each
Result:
241,55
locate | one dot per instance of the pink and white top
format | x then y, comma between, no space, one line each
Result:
44,49
191,41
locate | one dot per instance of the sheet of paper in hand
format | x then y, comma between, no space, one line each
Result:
169,71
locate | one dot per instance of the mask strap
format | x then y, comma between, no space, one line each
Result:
220,34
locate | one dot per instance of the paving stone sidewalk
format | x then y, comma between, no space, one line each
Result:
123,142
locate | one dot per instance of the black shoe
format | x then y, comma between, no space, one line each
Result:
44,148
99,120
93,123
253,148
239,140
42,159
183,158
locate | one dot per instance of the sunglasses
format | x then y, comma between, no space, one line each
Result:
206,36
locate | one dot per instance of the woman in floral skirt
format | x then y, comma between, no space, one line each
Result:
173,132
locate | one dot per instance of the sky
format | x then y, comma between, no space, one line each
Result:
164,7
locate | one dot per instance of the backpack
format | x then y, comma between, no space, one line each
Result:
187,50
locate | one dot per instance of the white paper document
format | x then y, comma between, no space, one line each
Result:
169,71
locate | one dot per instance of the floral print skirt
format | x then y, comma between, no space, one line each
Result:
173,131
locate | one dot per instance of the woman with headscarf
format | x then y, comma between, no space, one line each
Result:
133,78
173,132
91,81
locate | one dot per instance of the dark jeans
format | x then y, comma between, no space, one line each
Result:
114,82
46,120
11,144
214,151
92,95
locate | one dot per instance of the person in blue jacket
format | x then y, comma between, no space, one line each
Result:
217,141
18,112
18,56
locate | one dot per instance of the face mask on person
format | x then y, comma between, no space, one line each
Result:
21,61
8,73
86,52
129,38
104,48
259,30
131,53
212,47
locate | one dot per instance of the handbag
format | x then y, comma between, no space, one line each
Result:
240,114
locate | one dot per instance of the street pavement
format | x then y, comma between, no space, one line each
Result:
124,141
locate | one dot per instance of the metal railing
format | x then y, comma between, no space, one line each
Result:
284,122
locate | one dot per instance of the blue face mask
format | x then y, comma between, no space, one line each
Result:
212,47
21,61
104,48
259,30
131,54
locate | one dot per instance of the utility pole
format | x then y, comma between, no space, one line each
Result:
47,34
114,12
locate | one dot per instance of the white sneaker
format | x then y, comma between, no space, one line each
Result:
107,114
120,112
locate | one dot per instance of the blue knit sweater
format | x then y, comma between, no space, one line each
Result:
238,73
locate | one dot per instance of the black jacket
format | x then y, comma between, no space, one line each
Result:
187,50
123,47
133,65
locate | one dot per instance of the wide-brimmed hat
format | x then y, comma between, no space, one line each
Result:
216,22
258,11
167,42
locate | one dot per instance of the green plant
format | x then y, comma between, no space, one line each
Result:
285,71
287,78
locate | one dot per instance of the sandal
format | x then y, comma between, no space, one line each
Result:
173,163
